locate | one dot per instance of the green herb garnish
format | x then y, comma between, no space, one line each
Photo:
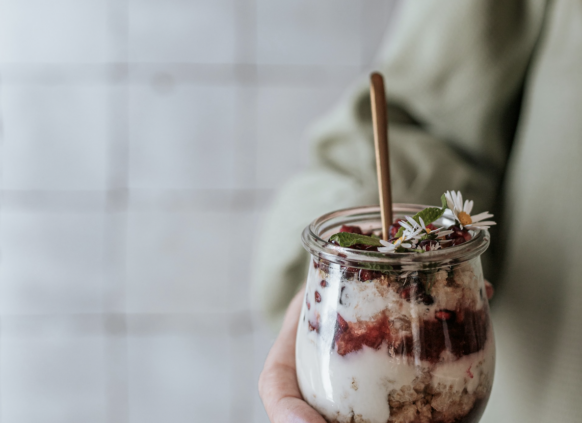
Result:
347,239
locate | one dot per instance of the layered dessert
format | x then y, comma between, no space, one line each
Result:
401,343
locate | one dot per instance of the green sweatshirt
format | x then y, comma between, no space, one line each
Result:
485,97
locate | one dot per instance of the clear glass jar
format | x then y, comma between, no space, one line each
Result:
401,337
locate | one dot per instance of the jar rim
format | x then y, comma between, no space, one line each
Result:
320,247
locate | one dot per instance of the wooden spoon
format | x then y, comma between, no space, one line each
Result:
380,121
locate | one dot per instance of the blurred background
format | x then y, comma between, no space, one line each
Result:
141,143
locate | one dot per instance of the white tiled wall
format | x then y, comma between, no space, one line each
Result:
141,141
59,31
183,138
53,137
53,369
304,32
282,146
177,31
51,262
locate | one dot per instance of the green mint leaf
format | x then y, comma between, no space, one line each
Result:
444,202
429,215
346,239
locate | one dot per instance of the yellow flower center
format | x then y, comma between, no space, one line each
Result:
428,231
399,239
465,219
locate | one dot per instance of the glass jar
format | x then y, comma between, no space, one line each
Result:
400,337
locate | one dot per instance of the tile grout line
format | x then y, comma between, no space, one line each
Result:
361,32
1,238
246,74
240,409
117,200
116,223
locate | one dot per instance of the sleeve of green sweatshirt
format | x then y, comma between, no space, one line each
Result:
454,73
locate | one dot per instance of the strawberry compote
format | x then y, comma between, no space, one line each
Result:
394,337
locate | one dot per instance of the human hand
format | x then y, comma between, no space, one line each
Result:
278,382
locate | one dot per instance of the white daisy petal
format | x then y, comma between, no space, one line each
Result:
411,234
482,224
406,245
406,226
453,200
481,216
385,243
450,196
449,213
459,201
413,222
468,207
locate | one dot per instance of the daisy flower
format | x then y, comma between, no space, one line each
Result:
411,233
412,228
390,247
462,212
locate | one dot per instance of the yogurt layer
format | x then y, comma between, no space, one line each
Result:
359,384
377,382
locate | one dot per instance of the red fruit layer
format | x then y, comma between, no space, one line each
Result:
459,236
351,229
352,336
462,332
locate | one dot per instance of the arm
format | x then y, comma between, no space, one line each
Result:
454,72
